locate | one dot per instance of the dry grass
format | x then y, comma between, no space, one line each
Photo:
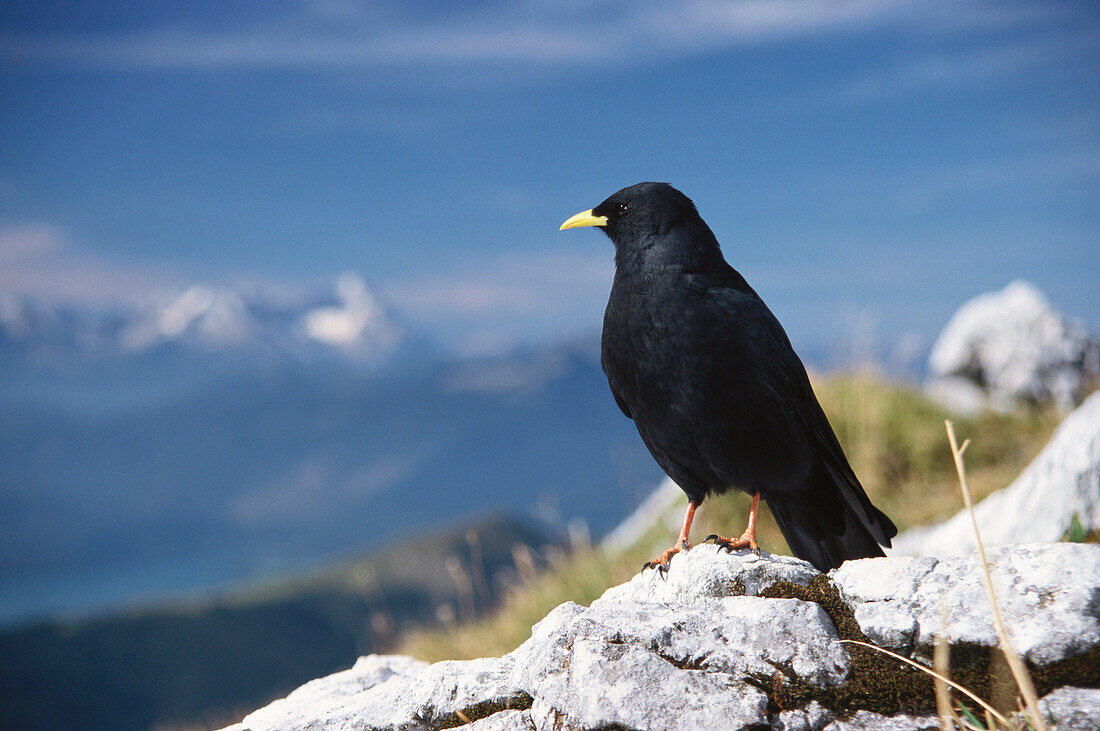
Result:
1019,670
581,578
893,437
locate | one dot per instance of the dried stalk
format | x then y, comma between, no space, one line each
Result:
1019,670
941,662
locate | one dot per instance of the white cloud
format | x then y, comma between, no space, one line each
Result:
968,66
41,261
28,241
482,307
495,303
1033,174
340,34
510,284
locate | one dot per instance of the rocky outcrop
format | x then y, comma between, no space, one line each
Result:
1011,346
1062,484
1049,596
745,642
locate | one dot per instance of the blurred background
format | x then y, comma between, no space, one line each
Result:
294,361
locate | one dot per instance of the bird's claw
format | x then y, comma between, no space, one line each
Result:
661,563
729,545
662,568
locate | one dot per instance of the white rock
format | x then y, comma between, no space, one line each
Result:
710,573
1039,505
1047,594
301,707
605,683
867,721
1072,709
417,700
813,717
1015,347
667,656
741,636
714,630
504,721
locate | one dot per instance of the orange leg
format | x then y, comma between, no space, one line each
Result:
661,562
747,539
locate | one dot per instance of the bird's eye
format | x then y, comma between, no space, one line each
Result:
622,207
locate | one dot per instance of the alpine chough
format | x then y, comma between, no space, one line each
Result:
702,366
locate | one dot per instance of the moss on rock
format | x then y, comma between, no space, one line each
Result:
879,683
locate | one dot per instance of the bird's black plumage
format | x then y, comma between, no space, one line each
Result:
702,366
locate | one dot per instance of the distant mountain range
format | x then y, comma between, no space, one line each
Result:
343,320
229,434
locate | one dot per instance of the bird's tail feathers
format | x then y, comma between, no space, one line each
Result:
873,520
828,529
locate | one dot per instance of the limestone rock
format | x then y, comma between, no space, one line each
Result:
867,721
424,698
1063,481
697,650
1072,709
668,664
814,717
504,721
300,707
740,636
600,684
1049,596
1013,347
709,573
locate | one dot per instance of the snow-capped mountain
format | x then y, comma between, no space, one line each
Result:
341,319
225,433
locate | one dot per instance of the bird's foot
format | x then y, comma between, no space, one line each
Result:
661,562
733,544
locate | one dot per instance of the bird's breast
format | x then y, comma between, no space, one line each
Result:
653,338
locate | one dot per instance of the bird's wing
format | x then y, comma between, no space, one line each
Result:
782,376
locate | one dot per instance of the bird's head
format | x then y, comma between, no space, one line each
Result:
637,213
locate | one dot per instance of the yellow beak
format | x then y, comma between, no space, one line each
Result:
584,218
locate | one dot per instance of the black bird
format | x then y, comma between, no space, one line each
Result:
702,366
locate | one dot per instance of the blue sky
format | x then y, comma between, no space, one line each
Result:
865,163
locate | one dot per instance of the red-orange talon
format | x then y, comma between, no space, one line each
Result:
747,539
661,562
733,544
